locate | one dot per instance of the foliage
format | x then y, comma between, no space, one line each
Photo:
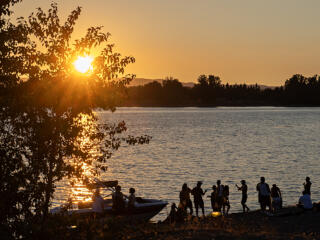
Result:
209,91
48,128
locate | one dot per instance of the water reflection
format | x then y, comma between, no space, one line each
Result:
74,188
230,144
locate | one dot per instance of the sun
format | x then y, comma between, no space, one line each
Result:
83,64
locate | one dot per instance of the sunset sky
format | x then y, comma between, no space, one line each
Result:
242,41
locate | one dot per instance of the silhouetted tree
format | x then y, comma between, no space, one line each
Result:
48,130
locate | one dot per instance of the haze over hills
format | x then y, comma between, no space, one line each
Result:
143,81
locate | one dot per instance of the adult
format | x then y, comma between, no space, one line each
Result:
276,198
307,186
98,203
263,194
219,195
213,198
118,202
244,191
131,198
305,201
197,193
226,202
185,200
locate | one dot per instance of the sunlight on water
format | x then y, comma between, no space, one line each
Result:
79,192
192,144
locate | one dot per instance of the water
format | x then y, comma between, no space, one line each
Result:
192,144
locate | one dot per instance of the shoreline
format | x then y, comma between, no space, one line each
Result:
251,225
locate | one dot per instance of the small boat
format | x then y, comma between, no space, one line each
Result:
144,209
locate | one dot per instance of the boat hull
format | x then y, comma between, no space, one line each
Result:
142,211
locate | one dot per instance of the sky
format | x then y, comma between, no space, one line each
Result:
242,41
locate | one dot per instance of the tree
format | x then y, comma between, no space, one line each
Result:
49,130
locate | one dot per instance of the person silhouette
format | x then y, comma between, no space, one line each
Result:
219,195
276,197
185,200
226,202
263,194
131,198
118,202
213,198
307,186
98,202
244,190
197,193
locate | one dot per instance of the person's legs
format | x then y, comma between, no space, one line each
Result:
263,203
219,200
202,207
260,201
243,202
189,205
228,205
196,205
243,206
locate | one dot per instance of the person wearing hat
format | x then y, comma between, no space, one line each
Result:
197,193
244,190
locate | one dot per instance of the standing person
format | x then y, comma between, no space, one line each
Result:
118,203
226,202
244,190
307,186
131,198
185,200
197,193
276,197
98,203
213,197
219,195
263,194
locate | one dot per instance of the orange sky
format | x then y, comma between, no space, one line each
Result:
242,41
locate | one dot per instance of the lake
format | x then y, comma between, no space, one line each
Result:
207,144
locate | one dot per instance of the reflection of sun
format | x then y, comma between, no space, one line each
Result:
83,64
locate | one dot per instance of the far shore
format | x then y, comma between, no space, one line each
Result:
216,106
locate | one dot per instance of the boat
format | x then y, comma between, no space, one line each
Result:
144,208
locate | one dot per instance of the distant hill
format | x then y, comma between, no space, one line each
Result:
143,81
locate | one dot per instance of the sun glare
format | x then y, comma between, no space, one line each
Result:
83,64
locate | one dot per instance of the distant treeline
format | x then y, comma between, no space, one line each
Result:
209,91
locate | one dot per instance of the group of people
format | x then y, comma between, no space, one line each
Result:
118,200
219,198
271,198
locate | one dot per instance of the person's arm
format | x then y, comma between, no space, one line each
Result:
258,187
203,192
239,188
